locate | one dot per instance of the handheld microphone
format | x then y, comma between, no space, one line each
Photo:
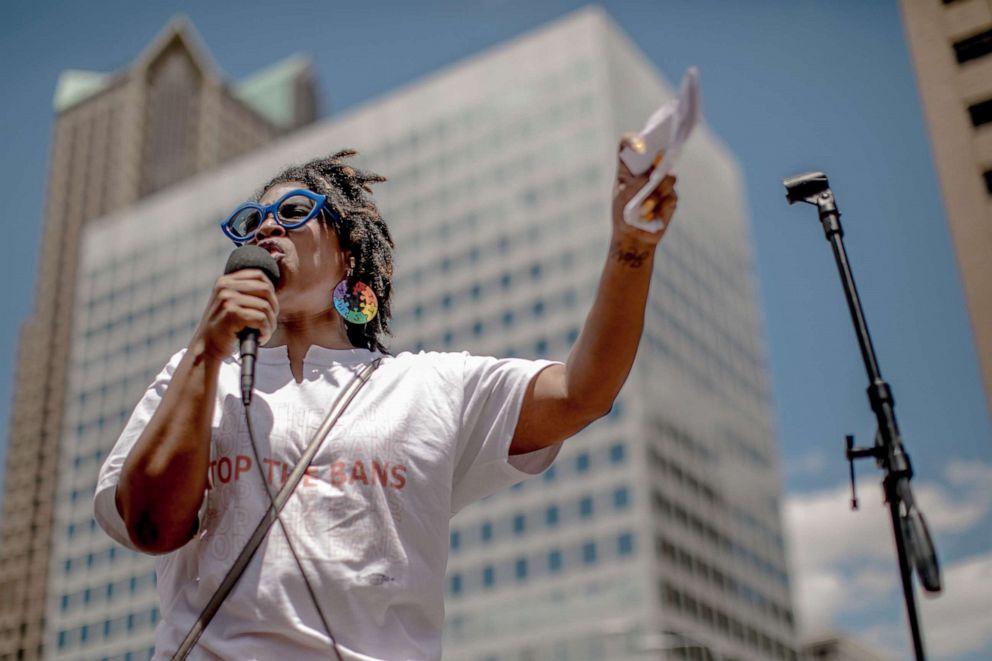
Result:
250,257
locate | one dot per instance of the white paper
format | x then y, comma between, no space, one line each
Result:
666,130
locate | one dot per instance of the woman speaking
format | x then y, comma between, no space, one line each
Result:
372,453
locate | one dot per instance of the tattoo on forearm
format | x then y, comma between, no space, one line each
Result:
631,258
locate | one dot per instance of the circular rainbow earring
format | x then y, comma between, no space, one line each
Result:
357,306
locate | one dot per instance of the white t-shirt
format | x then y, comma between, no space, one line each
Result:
427,435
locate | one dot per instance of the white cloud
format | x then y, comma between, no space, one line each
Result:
844,562
957,622
970,474
960,620
950,515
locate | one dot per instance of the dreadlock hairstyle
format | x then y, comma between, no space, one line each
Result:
361,231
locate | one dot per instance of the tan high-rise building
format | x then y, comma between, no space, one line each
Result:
118,137
951,46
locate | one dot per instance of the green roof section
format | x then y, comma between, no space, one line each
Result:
270,91
75,86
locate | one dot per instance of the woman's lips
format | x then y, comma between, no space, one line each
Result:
273,248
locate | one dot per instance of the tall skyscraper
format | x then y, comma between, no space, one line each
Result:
658,527
118,138
951,46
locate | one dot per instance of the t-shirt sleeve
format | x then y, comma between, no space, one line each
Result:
104,500
493,394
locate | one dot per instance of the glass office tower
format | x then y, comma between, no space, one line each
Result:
658,528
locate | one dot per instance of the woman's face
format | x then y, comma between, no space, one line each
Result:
310,258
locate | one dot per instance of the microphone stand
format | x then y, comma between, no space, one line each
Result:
913,544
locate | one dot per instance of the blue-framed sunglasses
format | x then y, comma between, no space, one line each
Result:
294,209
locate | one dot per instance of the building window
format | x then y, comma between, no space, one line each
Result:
551,516
520,569
625,544
170,124
616,453
456,584
589,553
585,507
621,498
582,463
549,475
973,47
455,540
486,533
554,561
488,576
519,523
981,113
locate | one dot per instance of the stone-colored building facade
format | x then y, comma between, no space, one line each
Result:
951,46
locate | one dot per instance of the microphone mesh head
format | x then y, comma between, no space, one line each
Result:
253,257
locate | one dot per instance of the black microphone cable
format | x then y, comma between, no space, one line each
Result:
251,256
285,533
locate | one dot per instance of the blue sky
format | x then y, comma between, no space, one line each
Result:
790,86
